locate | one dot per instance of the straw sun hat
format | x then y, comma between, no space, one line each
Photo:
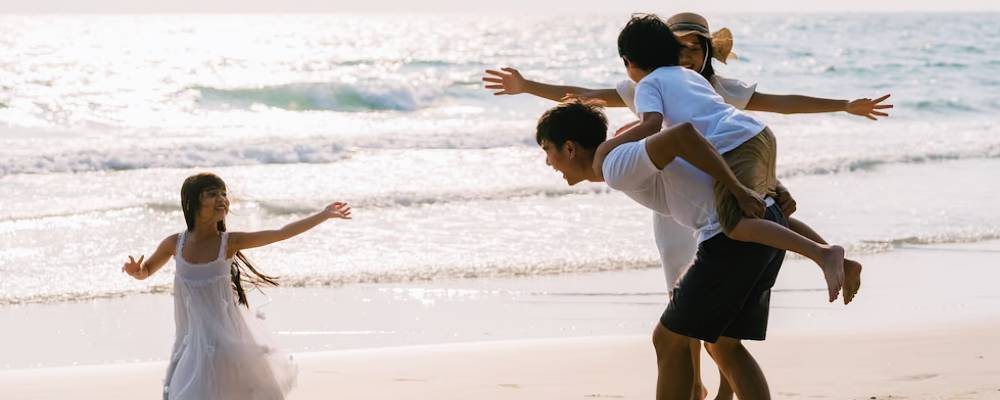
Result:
684,24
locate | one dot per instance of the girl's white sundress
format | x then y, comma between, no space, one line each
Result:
221,352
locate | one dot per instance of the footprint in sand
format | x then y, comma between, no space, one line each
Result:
917,377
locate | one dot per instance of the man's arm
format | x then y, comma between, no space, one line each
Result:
796,104
686,142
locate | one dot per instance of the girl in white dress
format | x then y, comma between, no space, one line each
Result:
220,352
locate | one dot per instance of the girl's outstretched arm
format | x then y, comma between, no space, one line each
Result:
795,104
248,240
509,81
142,270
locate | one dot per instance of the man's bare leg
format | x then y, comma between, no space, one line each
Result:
698,392
852,269
675,373
740,369
725,389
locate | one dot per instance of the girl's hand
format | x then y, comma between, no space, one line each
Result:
868,108
338,210
133,267
510,82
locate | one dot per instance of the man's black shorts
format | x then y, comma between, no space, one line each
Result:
727,291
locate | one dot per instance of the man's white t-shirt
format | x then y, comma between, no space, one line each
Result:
682,95
679,190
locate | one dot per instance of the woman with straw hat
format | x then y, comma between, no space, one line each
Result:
676,243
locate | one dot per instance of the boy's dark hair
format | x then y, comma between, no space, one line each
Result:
648,43
573,121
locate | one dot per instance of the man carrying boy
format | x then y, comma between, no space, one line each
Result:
724,296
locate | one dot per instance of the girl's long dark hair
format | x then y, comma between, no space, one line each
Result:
241,270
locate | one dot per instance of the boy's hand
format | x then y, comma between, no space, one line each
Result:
750,202
133,267
338,210
600,154
868,108
510,82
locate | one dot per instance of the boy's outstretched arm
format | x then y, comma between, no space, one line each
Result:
796,104
508,81
684,141
248,240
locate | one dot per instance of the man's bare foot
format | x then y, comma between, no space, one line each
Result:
832,263
852,279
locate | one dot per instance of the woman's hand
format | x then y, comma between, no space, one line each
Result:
785,201
508,82
338,210
868,108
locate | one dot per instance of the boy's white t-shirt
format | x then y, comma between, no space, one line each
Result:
733,91
676,242
682,95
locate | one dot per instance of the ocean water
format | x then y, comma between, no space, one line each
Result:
102,117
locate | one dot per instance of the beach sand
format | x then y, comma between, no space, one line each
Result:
957,362
922,328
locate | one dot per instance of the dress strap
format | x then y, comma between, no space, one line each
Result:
223,243
180,245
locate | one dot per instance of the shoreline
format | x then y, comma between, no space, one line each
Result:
902,292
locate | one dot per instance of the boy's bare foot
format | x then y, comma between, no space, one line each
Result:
852,279
832,264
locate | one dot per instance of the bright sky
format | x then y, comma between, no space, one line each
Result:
491,7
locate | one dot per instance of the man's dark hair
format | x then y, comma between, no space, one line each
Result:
573,121
647,43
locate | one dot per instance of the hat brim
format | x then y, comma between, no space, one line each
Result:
691,32
722,45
